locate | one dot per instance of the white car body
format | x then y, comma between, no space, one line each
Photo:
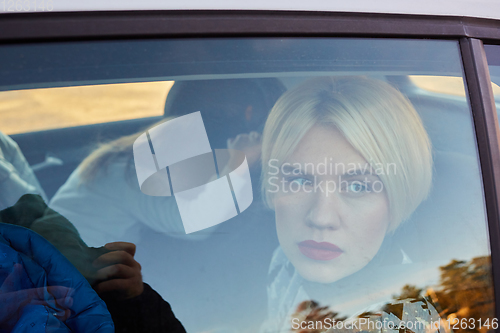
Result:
475,8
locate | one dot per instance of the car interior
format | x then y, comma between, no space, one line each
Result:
236,96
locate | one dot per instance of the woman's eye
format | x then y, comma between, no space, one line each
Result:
297,184
301,181
358,187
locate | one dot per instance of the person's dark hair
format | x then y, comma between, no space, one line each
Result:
229,107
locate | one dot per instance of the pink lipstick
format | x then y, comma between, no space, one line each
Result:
319,251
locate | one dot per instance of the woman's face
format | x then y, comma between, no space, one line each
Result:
332,213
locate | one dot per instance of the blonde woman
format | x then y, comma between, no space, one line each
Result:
346,160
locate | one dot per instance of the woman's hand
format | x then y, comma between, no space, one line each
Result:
250,144
119,271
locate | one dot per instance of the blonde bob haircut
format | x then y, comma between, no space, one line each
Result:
375,118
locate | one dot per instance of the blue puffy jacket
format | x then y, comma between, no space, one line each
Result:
41,291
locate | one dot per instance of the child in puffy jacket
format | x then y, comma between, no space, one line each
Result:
39,274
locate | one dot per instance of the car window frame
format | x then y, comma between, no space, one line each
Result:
469,32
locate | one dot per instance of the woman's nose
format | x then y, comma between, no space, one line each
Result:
324,212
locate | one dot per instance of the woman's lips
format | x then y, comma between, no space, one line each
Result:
319,251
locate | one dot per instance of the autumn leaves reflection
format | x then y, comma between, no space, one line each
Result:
462,301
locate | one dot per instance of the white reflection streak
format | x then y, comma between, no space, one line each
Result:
182,144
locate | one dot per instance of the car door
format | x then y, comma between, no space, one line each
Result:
256,271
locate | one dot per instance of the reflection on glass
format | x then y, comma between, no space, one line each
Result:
50,108
493,58
351,236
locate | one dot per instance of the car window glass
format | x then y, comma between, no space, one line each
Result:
279,176
492,55
49,108
444,84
